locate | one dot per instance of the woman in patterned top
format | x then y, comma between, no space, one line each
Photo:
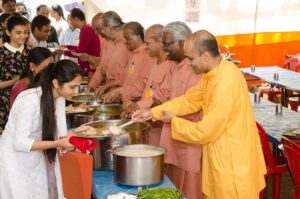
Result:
13,60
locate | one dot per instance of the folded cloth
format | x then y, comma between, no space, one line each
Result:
83,144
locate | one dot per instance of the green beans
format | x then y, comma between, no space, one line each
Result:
160,193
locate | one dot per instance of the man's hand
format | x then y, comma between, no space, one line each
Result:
166,116
84,57
128,109
100,90
112,97
142,115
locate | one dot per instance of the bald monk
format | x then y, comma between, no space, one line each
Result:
233,165
115,56
136,74
183,161
158,87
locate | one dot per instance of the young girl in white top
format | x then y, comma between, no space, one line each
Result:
29,167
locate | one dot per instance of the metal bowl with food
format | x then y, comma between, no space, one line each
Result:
85,98
101,112
138,164
136,133
81,109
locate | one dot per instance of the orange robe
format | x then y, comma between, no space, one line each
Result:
136,74
183,160
159,87
106,51
233,164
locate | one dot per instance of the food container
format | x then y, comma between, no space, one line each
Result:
85,81
137,133
85,98
138,165
83,89
101,112
121,195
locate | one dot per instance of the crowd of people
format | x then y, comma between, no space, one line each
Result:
197,101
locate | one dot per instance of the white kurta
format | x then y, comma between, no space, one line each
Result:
23,172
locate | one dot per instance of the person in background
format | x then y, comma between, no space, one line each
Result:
21,7
233,164
70,36
3,18
89,42
158,88
110,27
1,8
36,129
38,59
25,14
40,31
53,38
136,74
183,161
9,6
60,22
13,59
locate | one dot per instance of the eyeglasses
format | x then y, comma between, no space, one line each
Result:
166,45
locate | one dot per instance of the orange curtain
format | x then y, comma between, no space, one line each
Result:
262,49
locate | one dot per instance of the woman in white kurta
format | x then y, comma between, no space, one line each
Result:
23,156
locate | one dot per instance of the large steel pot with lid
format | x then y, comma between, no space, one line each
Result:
136,133
139,164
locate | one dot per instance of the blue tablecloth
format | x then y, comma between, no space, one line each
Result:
274,124
103,184
287,79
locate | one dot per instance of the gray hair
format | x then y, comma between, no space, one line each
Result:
157,31
112,19
179,30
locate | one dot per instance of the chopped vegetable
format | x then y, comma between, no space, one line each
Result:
159,193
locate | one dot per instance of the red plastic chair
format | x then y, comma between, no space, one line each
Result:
292,153
76,171
275,164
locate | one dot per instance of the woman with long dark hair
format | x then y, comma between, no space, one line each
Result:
29,165
60,22
38,59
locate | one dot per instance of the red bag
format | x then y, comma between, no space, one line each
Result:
83,144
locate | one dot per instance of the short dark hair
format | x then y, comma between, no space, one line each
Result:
210,45
13,21
77,13
7,1
36,56
39,22
136,28
41,6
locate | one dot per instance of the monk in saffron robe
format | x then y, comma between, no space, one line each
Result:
233,165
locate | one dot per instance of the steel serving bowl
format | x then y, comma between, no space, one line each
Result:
85,98
101,112
138,170
137,133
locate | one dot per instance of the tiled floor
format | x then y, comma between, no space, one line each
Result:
287,188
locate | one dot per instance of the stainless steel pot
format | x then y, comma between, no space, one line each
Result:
102,112
138,170
85,98
137,133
